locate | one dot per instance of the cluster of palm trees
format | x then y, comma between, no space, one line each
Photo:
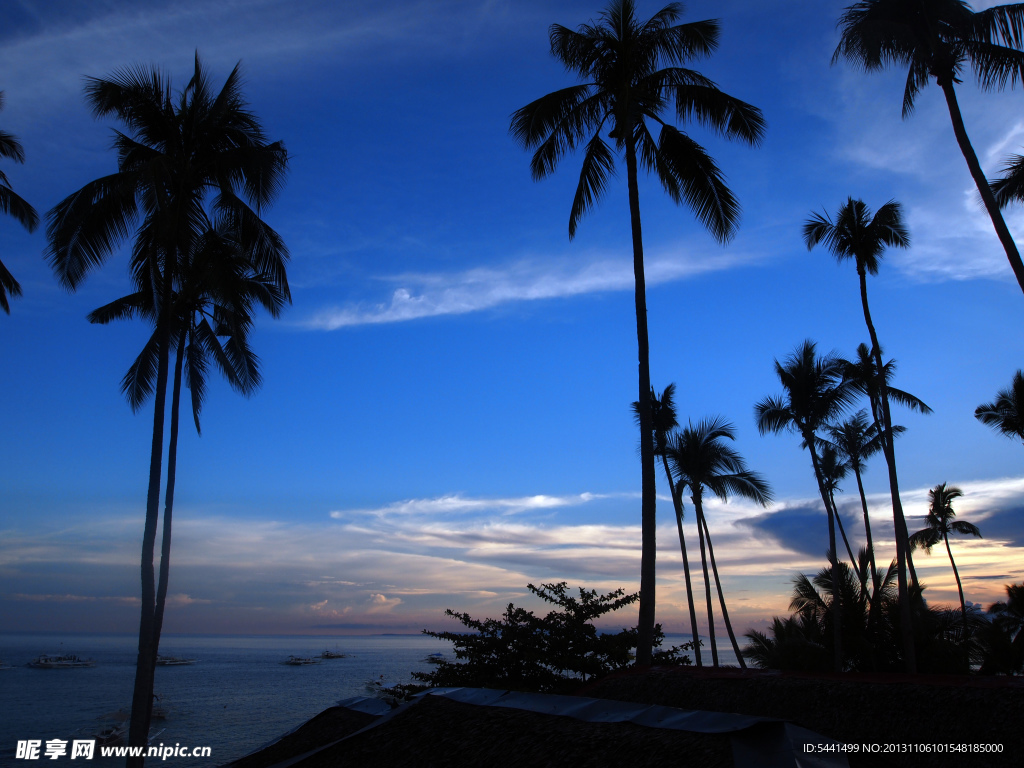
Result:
632,72
696,457
945,640
194,172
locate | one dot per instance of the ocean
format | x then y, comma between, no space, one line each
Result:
237,697
234,699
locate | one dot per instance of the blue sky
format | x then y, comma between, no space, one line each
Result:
445,409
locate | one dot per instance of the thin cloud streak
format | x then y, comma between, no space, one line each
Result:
474,290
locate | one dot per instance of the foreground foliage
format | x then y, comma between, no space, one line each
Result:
555,653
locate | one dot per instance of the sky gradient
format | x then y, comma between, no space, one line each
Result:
444,415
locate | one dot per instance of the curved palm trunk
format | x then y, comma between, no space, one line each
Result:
991,206
172,465
645,620
702,521
677,502
707,581
142,697
956,573
902,535
842,532
867,529
837,612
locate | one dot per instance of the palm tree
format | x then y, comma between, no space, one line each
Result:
179,150
834,469
941,523
623,88
858,235
663,418
700,459
936,38
1006,414
14,205
856,441
815,393
218,286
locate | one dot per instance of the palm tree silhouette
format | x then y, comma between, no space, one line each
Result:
815,393
700,459
622,89
857,440
179,150
218,288
11,203
941,523
936,38
834,469
858,235
1006,413
663,418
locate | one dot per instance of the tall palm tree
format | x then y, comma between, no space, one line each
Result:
858,235
217,289
815,393
941,523
1006,413
624,89
937,38
11,203
701,459
180,150
663,419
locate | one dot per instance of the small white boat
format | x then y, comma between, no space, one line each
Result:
173,661
63,661
300,661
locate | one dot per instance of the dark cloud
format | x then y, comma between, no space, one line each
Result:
1004,524
802,529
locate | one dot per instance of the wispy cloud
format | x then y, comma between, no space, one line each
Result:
473,290
457,503
400,565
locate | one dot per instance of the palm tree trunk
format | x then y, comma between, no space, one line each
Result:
1002,231
702,521
867,528
842,532
677,502
696,498
902,535
837,613
142,697
172,465
648,521
956,574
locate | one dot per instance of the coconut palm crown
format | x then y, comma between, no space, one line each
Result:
937,39
185,159
632,75
11,203
1006,413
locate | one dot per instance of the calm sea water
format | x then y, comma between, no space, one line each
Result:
235,698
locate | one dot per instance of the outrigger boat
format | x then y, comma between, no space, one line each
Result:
63,661
173,661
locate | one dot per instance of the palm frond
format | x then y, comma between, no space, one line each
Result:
598,165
